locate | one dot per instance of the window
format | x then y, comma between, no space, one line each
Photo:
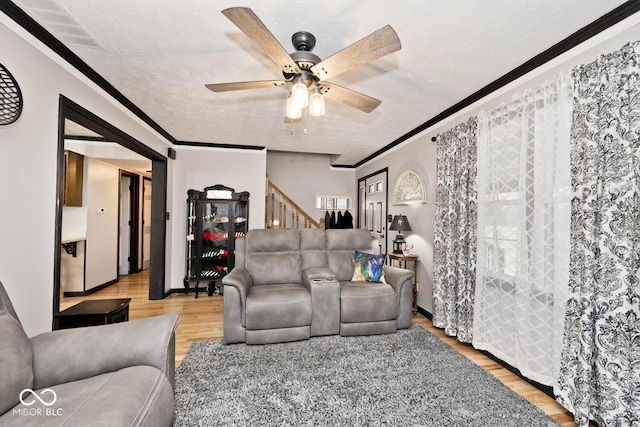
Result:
524,218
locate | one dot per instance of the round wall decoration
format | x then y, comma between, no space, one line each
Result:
409,189
10,98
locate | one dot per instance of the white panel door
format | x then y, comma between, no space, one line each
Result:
373,207
125,226
146,223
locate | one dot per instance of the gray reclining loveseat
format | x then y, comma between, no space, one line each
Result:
112,375
290,285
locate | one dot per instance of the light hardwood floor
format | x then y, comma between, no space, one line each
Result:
201,319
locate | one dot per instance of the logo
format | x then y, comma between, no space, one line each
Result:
42,398
46,397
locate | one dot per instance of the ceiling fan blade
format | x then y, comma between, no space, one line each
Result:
349,97
261,84
374,46
252,26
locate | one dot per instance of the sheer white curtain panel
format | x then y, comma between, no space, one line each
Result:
524,215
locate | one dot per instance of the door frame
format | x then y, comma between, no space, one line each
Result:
134,219
68,109
386,203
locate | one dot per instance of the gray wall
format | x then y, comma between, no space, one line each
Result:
419,153
420,156
301,176
200,167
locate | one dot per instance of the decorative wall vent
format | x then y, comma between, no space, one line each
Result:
10,98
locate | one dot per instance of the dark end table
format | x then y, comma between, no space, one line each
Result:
93,313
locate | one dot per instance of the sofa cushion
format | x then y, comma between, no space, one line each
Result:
273,256
368,268
341,247
278,306
135,396
367,302
313,248
16,360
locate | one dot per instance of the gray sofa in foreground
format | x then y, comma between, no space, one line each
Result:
290,285
113,375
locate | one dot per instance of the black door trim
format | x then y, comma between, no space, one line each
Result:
73,111
134,218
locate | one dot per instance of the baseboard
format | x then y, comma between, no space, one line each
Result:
92,290
191,290
425,313
75,294
548,390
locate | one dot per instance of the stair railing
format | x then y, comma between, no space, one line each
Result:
282,212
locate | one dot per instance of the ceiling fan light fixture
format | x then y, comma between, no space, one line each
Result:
293,112
316,103
299,93
305,70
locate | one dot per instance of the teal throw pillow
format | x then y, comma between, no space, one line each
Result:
369,268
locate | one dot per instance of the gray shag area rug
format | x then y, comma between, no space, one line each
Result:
410,378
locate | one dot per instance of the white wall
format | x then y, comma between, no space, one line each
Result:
302,176
101,252
28,168
419,153
74,219
199,167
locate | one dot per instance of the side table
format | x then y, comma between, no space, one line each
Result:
92,313
404,258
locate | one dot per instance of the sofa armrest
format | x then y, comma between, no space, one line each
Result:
325,300
237,284
398,277
240,279
316,275
402,281
73,354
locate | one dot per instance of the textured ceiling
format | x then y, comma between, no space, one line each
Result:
161,53
113,153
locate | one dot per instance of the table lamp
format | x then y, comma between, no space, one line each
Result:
399,223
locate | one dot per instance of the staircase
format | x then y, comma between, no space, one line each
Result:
282,212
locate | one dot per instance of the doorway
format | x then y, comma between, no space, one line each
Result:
373,198
146,222
70,111
129,223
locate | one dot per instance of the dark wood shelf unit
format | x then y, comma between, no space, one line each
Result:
216,216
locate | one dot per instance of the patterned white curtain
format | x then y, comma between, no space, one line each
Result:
523,230
600,365
455,241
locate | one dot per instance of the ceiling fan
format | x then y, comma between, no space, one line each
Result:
305,70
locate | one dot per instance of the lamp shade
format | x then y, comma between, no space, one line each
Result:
316,103
299,94
293,112
400,223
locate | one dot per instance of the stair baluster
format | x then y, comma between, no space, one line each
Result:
276,200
